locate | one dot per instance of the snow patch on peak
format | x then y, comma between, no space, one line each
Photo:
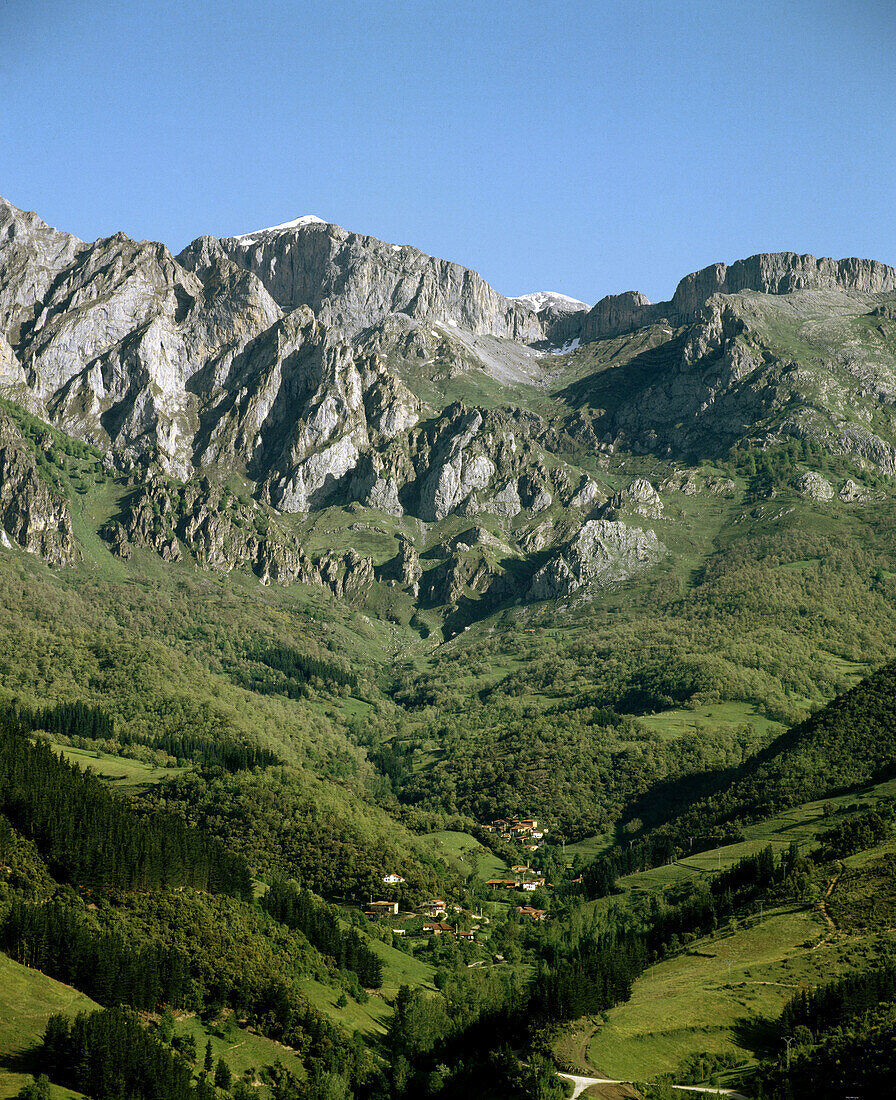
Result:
541,299
296,223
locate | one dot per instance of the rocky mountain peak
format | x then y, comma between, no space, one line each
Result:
32,254
778,273
354,281
296,223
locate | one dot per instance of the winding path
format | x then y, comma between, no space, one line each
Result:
582,1083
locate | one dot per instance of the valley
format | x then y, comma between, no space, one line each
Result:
325,569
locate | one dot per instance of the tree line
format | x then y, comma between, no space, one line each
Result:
90,838
82,721
298,908
281,670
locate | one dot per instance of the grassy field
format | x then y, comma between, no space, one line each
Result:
124,772
709,718
371,1018
368,1019
242,1050
28,999
400,968
724,986
727,985
466,855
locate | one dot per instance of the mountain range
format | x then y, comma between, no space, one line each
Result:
456,671
312,369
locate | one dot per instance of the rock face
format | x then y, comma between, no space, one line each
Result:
814,486
767,273
32,254
602,553
224,534
353,281
322,369
618,313
31,514
639,499
778,273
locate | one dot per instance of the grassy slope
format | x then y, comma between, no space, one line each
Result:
466,855
27,1000
687,1004
118,769
241,1050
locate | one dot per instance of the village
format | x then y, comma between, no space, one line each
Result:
436,917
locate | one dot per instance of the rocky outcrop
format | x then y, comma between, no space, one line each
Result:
32,255
616,314
639,499
767,273
32,515
404,569
561,317
353,281
224,533
602,553
462,571
119,336
814,486
456,468
151,516
850,492
778,273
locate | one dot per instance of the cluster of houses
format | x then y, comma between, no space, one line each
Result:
524,879
532,914
437,909
434,908
521,830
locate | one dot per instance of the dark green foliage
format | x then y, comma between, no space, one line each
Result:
694,910
855,835
298,908
37,1090
222,1075
335,849
222,753
280,670
56,939
847,744
80,720
89,837
836,1003
111,1055
859,1060
185,949
596,975
771,469
70,719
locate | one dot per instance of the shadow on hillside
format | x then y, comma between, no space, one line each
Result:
613,386
23,1061
668,797
761,1037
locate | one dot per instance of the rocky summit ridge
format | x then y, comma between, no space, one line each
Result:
328,369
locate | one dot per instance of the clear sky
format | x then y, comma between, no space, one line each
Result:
588,148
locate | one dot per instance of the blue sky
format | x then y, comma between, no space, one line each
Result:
588,148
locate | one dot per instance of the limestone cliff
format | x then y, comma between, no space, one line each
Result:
353,281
